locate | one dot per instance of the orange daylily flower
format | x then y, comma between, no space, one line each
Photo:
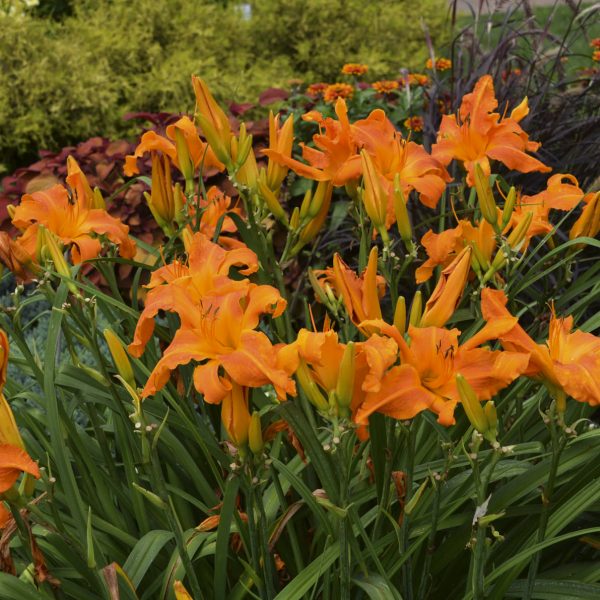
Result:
214,209
569,362
393,156
178,285
281,139
436,356
442,248
221,335
480,134
448,291
197,150
360,295
14,460
74,222
562,193
336,158
323,355
16,258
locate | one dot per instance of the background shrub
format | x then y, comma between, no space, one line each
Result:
74,77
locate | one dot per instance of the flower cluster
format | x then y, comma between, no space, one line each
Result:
235,329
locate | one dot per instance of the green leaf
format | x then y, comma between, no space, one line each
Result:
555,589
144,553
376,588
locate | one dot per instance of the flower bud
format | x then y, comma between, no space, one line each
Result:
400,315
485,195
416,309
509,206
255,438
345,382
471,404
119,356
186,163
310,388
271,200
374,195
402,219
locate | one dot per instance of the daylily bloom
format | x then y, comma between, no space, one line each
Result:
214,208
82,190
393,156
360,295
448,291
73,222
14,460
569,362
221,335
442,248
562,193
16,258
180,287
480,134
323,355
197,151
436,357
281,139
335,158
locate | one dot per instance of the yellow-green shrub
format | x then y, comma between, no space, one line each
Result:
319,36
64,81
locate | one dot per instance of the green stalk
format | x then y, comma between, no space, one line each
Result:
558,444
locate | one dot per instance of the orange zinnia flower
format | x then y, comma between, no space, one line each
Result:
385,86
197,151
481,134
14,460
337,90
354,69
73,220
180,287
568,363
360,294
414,123
221,335
436,357
316,89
